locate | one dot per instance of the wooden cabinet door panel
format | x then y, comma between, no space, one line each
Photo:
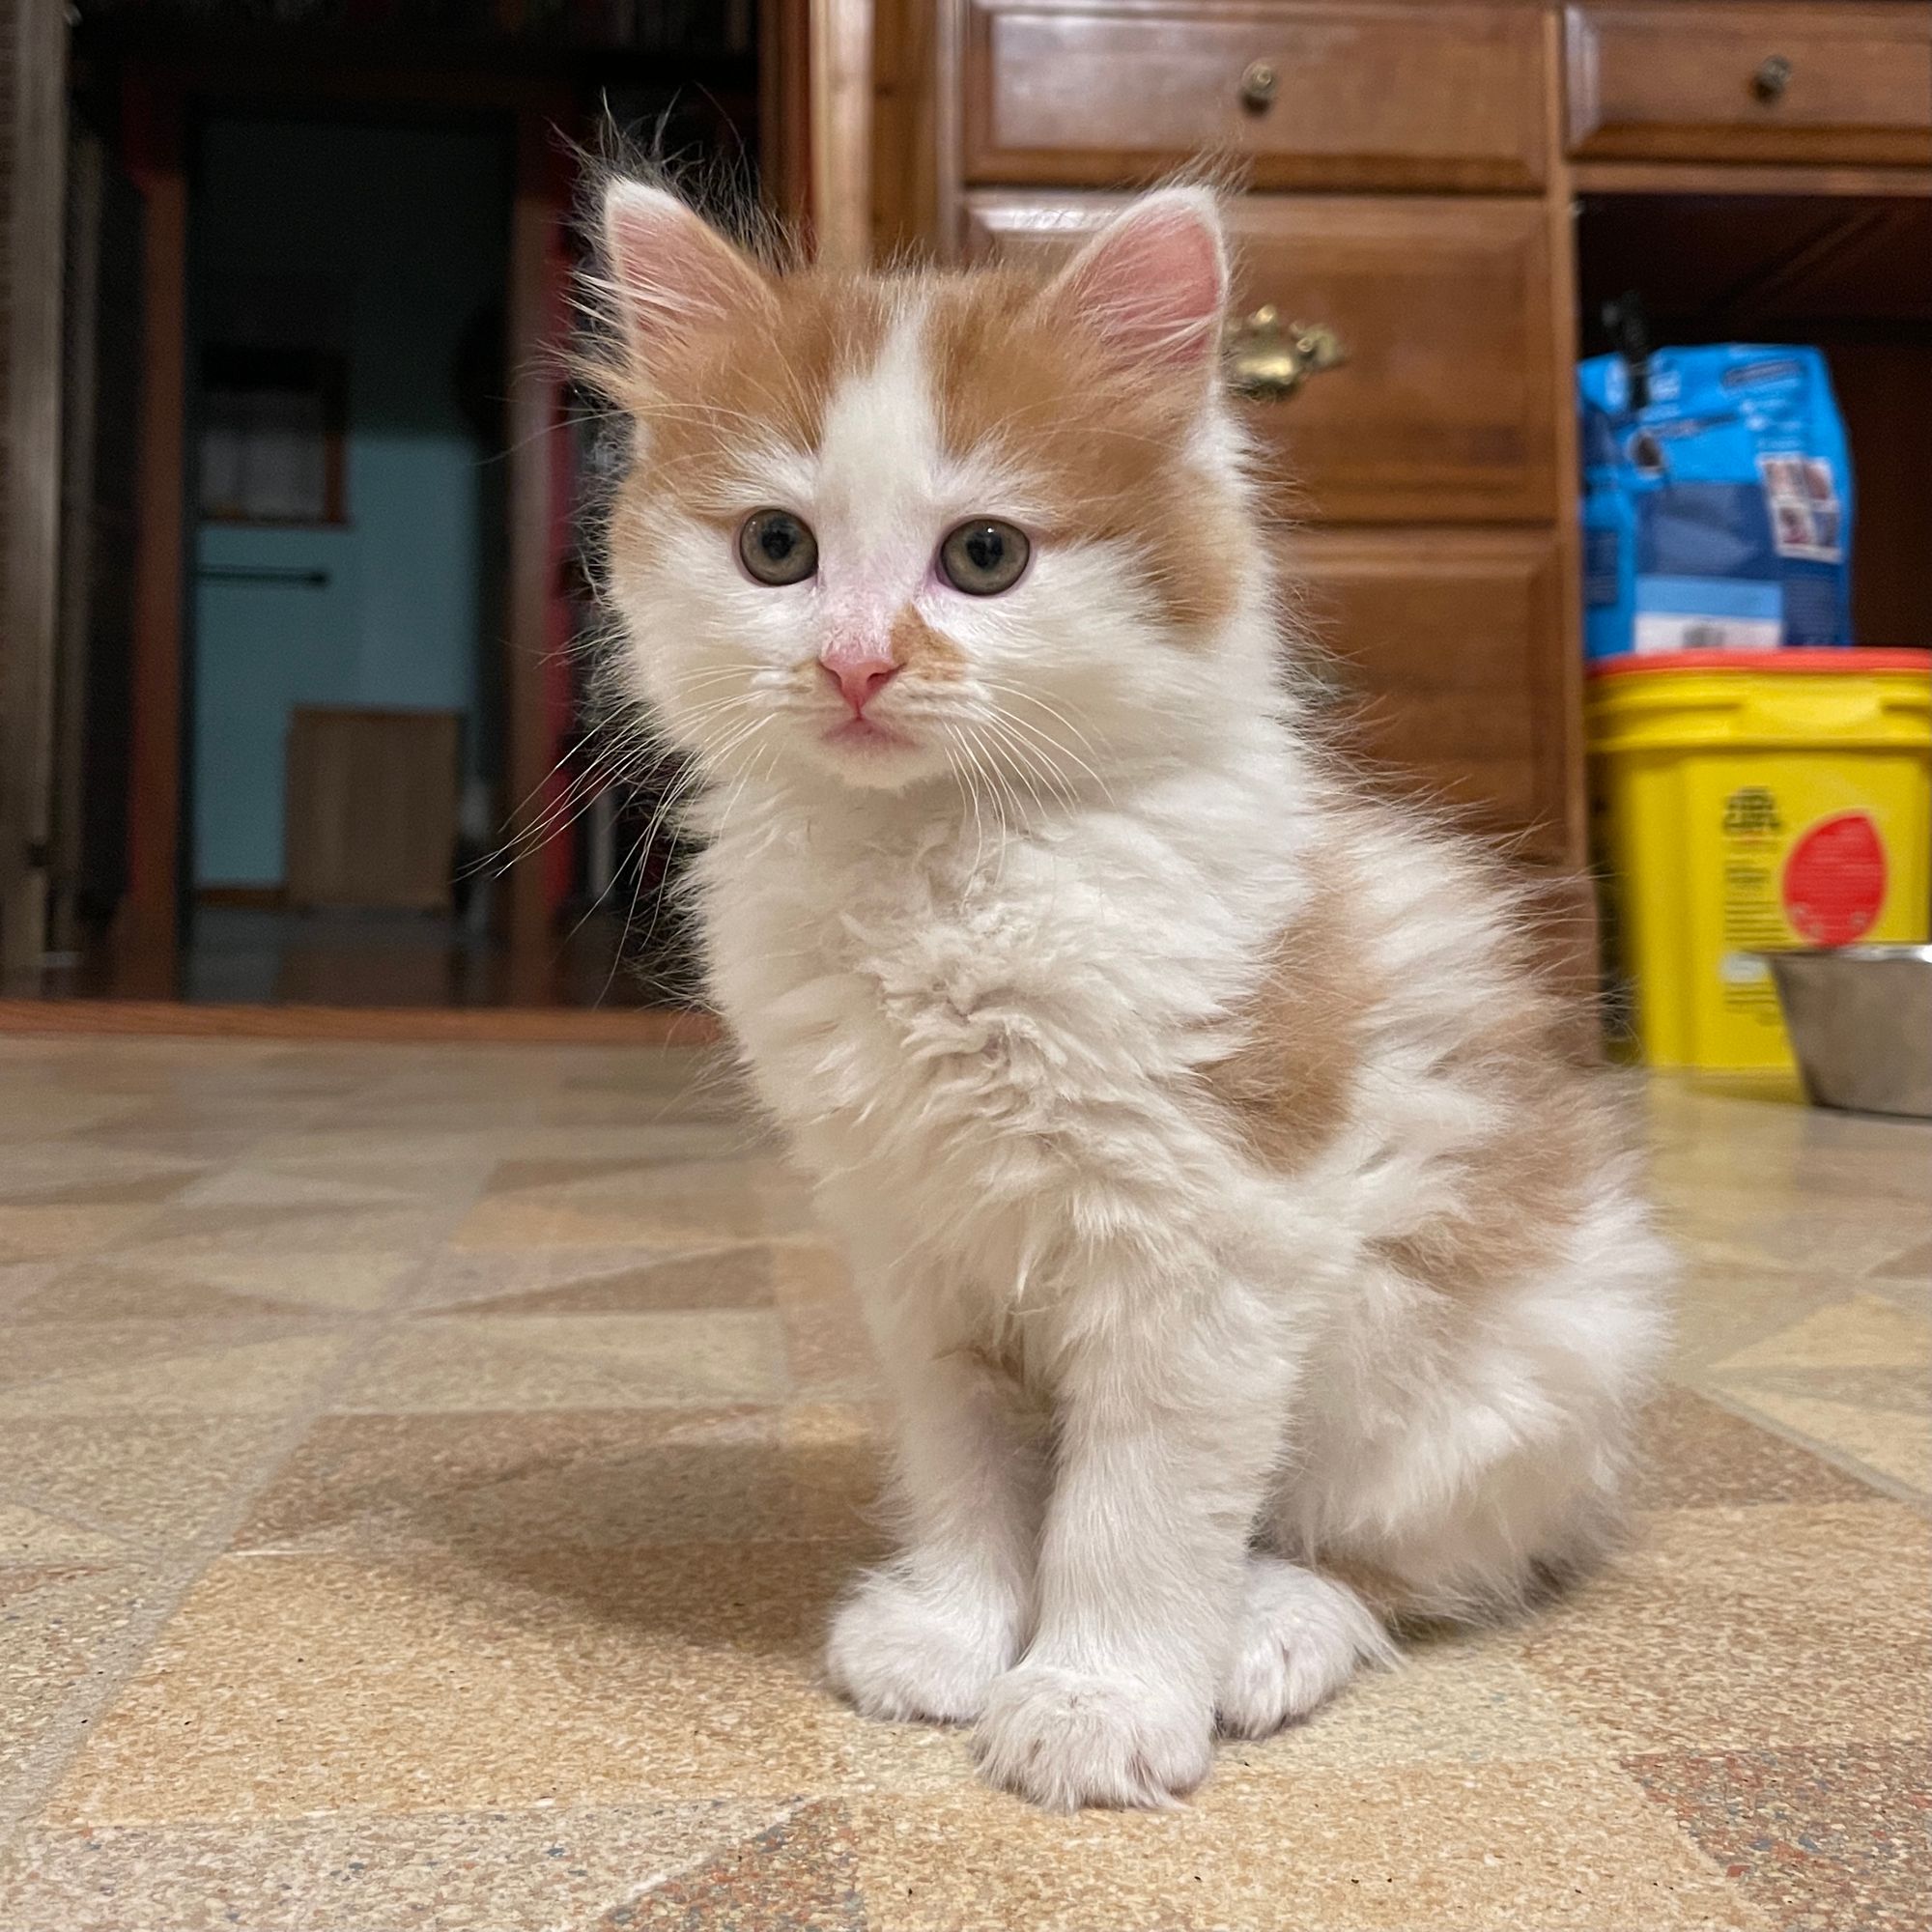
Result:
1357,95
1445,651
1443,411
1750,84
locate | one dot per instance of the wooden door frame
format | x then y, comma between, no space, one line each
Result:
838,138
145,940
536,313
34,246
817,115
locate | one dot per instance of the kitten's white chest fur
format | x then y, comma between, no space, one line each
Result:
962,1022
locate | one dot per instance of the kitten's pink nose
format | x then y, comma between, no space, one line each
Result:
859,675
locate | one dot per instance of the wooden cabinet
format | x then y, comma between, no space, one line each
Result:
1431,471
1435,646
1305,96
1849,83
1409,173
1443,410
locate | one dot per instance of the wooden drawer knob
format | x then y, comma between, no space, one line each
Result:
1259,81
1772,79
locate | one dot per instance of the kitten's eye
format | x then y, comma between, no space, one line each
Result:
983,557
777,547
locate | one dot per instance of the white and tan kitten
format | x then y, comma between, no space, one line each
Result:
1247,1264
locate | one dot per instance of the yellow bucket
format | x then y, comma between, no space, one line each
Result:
1748,802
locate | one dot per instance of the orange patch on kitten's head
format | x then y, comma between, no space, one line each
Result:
1085,387
759,373
1019,370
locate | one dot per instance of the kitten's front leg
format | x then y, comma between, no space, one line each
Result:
926,1635
1170,1416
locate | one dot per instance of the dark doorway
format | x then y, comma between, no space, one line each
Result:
349,445
332,739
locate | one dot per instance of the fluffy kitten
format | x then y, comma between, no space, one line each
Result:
1248,1265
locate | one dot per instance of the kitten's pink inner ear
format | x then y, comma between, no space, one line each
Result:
671,271
1154,282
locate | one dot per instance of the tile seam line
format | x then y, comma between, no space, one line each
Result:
670,1874
285,1329
1884,1487
28,1384
663,1257
135,1548
1832,1290
42,1769
1765,1916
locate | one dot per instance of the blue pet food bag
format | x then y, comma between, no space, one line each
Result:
1718,515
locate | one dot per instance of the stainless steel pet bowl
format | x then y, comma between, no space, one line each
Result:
1860,1023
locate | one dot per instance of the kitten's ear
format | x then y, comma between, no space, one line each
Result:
1154,282
669,272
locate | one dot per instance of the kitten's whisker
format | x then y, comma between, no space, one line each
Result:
723,817
1053,711
689,779
968,795
617,951
710,674
725,707
1031,766
536,791
630,859
1046,738
1002,797
557,818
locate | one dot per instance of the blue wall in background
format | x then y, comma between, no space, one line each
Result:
407,229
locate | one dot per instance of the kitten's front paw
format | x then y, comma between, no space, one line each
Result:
1065,1739
893,1655
1301,1638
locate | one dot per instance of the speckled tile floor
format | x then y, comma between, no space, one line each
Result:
424,1473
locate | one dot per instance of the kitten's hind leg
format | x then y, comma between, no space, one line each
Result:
1301,1637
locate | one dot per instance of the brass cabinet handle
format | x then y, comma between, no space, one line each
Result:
1259,81
1269,362
1772,79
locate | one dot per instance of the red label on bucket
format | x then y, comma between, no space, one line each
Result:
1835,880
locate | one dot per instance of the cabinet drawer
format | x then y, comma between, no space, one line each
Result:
1448,650
1306,96
1442,411
1752,83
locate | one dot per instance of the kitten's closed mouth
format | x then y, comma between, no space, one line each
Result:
862,734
